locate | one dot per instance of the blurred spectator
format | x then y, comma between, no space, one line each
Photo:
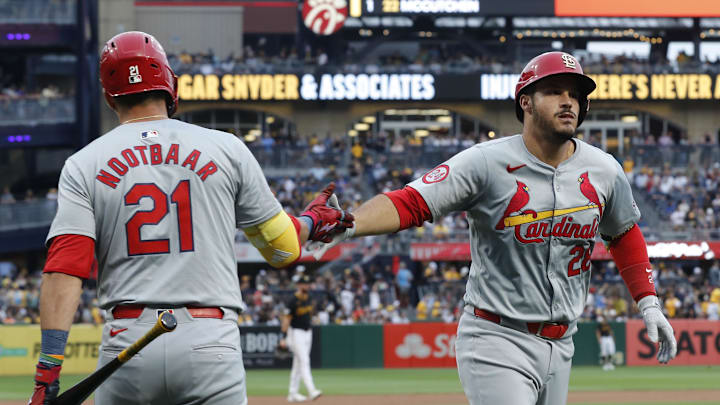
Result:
7,269
6,197
403,279
714,274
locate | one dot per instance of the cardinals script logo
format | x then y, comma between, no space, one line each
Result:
516,216
324,17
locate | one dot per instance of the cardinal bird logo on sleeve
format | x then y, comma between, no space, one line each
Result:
587,189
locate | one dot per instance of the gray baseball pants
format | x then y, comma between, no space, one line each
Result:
501,365
198,363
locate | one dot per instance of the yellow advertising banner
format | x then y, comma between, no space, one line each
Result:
424,87
20,348
681,87
655,87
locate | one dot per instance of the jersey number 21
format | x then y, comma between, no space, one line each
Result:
180,197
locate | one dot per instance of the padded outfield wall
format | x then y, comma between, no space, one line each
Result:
419,344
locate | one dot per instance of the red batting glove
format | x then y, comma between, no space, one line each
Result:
327,221
47,385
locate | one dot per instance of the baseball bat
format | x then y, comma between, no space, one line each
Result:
79,392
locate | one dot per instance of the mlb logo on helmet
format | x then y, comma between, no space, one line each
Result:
149,134
134,76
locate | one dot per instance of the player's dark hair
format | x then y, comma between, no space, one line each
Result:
529,90
132,100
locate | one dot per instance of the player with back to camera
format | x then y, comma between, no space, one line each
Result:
535,203
158,201
297,327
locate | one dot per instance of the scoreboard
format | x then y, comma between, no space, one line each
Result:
390,7
359,8
536,8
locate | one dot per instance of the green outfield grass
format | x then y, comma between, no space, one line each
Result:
646,378
421,381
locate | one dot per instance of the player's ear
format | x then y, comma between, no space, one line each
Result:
526,103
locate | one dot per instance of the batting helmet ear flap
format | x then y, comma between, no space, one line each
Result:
172,105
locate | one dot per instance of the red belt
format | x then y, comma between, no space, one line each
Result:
134,311
549,330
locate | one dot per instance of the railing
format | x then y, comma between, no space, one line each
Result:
40,213
277,65
29,111
675,155
25,215
654,156
61,12
298,157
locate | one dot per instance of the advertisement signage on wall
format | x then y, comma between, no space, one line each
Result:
702,250
698,343
247,253
622,87
20,348
429,87
258,346
328,87
359,8
637,8
429,344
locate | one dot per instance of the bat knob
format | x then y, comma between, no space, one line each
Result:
168,321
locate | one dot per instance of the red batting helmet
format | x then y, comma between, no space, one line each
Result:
552,64
135,62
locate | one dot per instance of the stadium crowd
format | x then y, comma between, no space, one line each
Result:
396,293
38,11
373,291
686,197
48,105
682,189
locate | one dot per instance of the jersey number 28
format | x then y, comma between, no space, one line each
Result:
180,197
580,260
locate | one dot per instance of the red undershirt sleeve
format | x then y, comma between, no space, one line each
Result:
298,228
630,254
411,207
72,255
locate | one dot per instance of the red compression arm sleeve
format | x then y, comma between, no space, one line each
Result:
630,254
411,207
72,255
296,224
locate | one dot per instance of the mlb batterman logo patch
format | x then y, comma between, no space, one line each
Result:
437,174
149,134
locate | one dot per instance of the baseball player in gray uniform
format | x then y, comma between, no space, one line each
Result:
535,203
158,202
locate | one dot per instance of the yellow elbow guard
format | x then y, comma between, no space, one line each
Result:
276,239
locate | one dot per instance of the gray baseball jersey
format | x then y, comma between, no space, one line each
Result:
162,200
532,226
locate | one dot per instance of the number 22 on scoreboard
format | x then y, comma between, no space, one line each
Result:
180,197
